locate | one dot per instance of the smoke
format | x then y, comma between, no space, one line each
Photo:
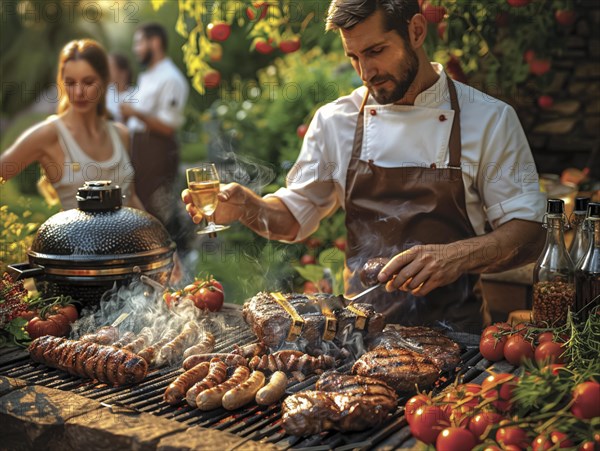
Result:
247,171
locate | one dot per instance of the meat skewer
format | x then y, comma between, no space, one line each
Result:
173,350
150,353
228,359
176,391
127,338
206,345
144,338
104,336
217,373
87,359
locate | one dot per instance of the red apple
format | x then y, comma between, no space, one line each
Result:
518,3
290,45
539,66
307,259
216,52
433,14
565,17
264,47
212,79
218,31
340,243
301,130
251,11
545,101
441,29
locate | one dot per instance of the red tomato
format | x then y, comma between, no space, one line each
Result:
491,348
517,349
550,352
212,79
560,438
340,243
518,3
588,446
545,336
512,435
565,17
218,31
433,14
496,328
554,368
413,404
499,386
290,45
301,130
481,424
264,47
586,400
427,423
70,311
541,443
545,102
455,439
307,259
208,297
492,448
38,327
62,321
539,66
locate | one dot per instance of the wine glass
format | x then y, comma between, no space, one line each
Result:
203,185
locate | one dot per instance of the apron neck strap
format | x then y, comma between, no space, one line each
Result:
455,140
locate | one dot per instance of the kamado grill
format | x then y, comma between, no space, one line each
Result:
217,429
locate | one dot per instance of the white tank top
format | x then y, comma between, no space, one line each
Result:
79,167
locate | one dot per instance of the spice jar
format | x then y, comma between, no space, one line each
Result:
580,242
553,275
587,273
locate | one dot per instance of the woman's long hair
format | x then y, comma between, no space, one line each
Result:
95,55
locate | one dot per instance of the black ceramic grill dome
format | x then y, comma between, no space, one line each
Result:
115,232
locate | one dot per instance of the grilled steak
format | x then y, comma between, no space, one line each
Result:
370,270
87,359
355,403
400,368
271,323
439,348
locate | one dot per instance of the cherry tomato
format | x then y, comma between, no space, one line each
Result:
586,400
518,349
209,298
428,422
413,404
550,352
492,348
492,448
499,386
172,298
512,435
481,424
455,439
307,259
588,446
541,443
545,336
560,438
38,327
554,368
495,329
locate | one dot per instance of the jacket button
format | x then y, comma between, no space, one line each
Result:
442,118
373,112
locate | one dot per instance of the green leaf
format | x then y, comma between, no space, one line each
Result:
17,328
312,273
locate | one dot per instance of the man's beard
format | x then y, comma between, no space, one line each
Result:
147,58
401,87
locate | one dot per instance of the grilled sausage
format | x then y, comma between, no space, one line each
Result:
211,398
250,350
207,344
104,336
127,338
64,354
143,339
149,354
245,392
274,390
228,359
289,361
173,350
217,372
176,391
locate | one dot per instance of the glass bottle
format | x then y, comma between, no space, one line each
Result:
587,274
554,273
580,242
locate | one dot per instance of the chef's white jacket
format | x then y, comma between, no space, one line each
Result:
499,173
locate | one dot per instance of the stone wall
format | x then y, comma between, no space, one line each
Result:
565,134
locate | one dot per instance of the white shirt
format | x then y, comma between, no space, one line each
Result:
162,93
115,98
499,173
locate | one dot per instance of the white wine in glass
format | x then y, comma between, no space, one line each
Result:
203,185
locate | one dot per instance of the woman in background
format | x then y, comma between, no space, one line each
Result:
79,143
120,89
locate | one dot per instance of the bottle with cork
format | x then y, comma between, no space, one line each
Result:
554,272
587,274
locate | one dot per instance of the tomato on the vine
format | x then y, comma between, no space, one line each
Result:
512,435
413,404
517,349
455,439
208,298
499,386
492,348
482,423
38,327
550,351
586,400
428,421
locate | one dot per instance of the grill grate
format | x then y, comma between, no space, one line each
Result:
258,423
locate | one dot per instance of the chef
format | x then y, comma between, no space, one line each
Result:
430,172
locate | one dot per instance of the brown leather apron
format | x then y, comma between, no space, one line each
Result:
389,210
155,159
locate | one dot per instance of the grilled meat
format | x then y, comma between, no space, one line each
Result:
341,402
176,391
290,361
400,368
173,350
272,324
204,346
439,348
86,359
104,336
371,269
127,338
150,353
229,359
143,339
250,350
